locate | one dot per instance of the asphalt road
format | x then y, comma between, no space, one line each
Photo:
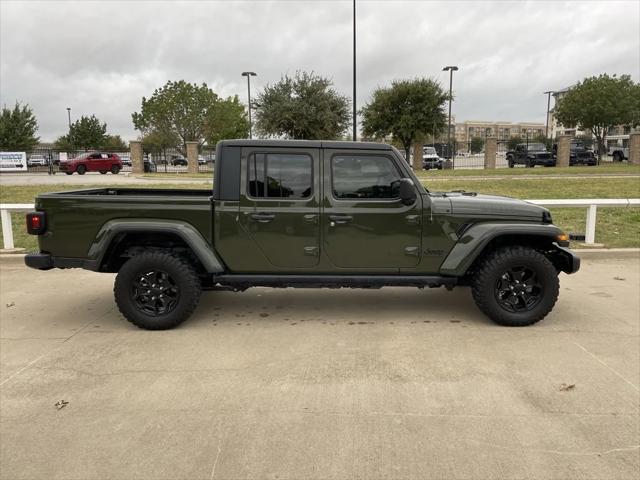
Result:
394,383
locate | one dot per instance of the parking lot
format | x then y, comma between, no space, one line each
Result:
391,383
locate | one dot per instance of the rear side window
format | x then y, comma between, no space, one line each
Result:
278,175
364,177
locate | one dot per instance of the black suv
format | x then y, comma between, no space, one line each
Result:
579,154
530,155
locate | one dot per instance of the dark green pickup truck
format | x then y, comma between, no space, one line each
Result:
304,214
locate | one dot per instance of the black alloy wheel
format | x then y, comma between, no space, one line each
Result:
155,293
518,289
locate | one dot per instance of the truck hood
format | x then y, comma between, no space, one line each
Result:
474,204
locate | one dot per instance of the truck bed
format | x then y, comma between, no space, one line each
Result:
76,217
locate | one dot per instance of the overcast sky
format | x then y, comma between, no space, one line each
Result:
101,57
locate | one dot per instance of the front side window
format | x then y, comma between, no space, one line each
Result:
364,177
279,175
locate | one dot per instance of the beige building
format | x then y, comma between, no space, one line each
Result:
465,131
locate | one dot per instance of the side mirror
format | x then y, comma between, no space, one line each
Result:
407,191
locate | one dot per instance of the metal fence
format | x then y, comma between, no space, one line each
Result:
470,154
464,156
170,160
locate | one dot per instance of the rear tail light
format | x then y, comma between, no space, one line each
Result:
36,223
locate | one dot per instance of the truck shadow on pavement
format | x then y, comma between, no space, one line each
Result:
337,307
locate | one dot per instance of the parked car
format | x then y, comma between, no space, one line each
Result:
619,154
530,155
178,161
92,162
579,154
292,214
37,160
126,159
431,159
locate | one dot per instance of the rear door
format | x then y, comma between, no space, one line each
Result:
280,204
365,224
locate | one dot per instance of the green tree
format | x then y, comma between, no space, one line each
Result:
189,111
226,119
157,142
85,133
18,127
302,107
409,110
599,103
114,142
476,145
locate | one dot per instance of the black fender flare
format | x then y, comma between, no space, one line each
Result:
472,243
187,232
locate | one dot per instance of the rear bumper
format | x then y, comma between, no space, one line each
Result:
44,261
39,261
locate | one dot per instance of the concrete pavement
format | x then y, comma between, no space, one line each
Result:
393,383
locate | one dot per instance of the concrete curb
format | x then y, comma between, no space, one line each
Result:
607,253
584,253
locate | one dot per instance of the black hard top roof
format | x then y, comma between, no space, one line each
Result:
306,144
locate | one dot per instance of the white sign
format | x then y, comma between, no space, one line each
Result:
13,161
63,156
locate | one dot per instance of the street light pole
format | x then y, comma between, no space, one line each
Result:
69,116
450,69
546,130
249,75
355,114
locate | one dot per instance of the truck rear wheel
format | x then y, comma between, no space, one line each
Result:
515,286
157,291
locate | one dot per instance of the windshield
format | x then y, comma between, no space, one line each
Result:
536,147
430,150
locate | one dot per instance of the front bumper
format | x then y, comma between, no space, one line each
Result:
567,260
543,161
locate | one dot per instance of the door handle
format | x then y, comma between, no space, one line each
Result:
340,219
262,217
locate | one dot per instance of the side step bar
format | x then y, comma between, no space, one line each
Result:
332,281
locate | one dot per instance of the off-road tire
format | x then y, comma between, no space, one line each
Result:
81,170
494,265
69,173
103,172
182,273
617,157
115,169
510,162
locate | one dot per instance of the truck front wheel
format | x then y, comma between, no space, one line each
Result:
157,291
515,286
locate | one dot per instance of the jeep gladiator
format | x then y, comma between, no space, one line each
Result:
530,155
303,214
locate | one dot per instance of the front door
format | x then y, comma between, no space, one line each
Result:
279,204
365,224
